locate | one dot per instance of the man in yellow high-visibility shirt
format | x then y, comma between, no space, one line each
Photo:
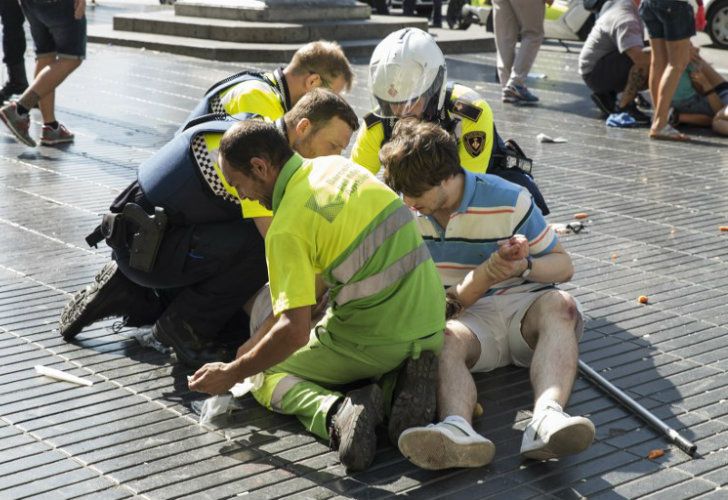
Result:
334,221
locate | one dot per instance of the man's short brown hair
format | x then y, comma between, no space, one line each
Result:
319,106
324,58
254,138
419,156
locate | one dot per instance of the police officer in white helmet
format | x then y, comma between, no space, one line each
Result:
408,78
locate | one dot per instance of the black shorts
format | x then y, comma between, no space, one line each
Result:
54,29
669,19
610,74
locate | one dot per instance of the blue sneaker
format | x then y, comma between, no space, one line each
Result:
518,94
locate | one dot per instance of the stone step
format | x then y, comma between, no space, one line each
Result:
246,11
450,41
167,23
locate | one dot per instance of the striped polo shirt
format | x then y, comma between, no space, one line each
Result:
492,209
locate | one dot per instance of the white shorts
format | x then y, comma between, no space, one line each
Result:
496,322
262,308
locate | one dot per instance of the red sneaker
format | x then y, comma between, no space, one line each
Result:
51,136
18,124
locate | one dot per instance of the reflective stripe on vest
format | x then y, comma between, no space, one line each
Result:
378,282
282,387
366,249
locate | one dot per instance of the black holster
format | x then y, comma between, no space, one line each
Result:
513,157
135,230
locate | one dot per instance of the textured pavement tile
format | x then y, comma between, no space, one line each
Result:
652,231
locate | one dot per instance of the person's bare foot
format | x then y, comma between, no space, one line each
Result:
668,133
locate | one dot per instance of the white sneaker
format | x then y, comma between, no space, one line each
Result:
552,433
444,446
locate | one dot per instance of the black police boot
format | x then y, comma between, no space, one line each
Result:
353,427
191,349
110,294
415,395
16,84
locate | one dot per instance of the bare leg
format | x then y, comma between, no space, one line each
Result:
49,73
658,61
47,102
550,325
452,442
696,119
678,57
456,392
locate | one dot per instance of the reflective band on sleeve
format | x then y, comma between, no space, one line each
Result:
369,245
282,387
380,281
216,105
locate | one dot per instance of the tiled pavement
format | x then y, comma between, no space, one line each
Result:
655,211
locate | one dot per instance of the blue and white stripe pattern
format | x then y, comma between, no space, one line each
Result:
492,209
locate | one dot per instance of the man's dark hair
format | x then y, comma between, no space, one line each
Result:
254,138
319,106
419,156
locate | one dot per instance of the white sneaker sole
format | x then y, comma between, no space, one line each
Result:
55,142
574,437
433,450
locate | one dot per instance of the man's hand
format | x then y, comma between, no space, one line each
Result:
514,248
453,306
213,378
79,9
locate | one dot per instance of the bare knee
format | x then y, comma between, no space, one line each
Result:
564,306
69,64
460,345
554,311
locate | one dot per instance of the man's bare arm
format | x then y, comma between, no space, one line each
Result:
555,267
262,223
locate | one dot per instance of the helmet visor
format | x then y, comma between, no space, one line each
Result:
402,89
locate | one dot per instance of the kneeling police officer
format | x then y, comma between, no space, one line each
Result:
188,253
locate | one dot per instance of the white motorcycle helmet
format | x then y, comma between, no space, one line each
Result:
407,75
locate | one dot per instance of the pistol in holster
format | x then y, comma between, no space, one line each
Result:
134,229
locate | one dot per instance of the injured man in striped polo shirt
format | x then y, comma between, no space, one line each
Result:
499,260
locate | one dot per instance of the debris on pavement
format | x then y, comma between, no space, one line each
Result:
547,138
60,375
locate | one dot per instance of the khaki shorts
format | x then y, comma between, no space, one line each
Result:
496,322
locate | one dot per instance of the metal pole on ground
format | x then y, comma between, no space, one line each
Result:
675,437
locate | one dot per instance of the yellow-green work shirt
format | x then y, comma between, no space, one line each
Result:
333,218
253,96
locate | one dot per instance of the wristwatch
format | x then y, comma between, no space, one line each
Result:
529,266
